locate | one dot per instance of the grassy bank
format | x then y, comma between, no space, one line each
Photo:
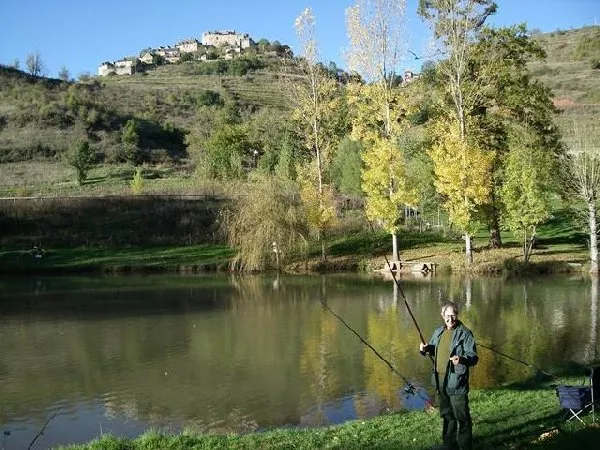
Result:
521,416
187,259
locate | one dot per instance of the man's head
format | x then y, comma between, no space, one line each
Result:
450,314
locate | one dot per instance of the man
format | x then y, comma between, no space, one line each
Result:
453,349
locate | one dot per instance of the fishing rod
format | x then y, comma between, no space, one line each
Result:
517,360
402,294
410,388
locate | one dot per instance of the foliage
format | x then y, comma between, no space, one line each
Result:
265,215
347,167
209,98
384,183
130,141
462,174
318,201
525,192
137,182
82,159
227,153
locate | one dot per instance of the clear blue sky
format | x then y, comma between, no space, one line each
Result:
81,35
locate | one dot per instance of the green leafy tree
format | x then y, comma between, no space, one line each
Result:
130,141
347,167
227,153
82,159
526,187
511,97
137,182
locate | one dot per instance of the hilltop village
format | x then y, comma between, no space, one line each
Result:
213,45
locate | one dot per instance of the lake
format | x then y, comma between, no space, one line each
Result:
83,356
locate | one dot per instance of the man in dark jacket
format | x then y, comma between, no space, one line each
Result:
453,349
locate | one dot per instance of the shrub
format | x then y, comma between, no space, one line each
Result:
82,159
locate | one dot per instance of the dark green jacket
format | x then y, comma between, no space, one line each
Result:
463,345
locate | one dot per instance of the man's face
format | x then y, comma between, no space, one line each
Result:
450,316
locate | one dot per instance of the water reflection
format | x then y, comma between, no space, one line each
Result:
225,354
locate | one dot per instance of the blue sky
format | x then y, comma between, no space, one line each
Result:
81,35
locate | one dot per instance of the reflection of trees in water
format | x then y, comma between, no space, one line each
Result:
592,347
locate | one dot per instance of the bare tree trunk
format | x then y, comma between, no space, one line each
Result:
395,254
591,354
593,236
468,250
494,225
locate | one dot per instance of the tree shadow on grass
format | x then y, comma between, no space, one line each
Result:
119,175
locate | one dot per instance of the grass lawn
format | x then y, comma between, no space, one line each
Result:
188,258
520,416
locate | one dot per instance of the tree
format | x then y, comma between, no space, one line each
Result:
525,191
511,98
456,24
82,159
462,176
63,74
130,140
226,153
580,170
137,182
265,223
316,104
35,65
347,167
375,31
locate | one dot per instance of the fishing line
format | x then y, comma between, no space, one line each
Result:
517,360
410,388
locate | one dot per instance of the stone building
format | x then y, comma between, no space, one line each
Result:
230,38
188,46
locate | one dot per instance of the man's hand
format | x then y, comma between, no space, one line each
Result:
455,359
422,346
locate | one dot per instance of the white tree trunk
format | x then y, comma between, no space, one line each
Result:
468,250
395,254
593,236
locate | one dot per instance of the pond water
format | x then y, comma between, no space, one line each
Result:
85,356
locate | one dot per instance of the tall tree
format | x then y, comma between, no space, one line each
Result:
456,24
510,99
376,33
35,65
581,178
316,102
526,187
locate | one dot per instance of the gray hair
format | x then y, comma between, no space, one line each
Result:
452,305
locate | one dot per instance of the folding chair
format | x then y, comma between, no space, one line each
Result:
578,399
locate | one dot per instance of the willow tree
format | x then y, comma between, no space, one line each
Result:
316,102
376,34
455,25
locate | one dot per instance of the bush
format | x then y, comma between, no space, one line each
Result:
596,64
82,159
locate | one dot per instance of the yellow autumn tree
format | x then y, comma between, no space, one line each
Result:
316,104
375,31
462,176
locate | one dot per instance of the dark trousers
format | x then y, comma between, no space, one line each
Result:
457,428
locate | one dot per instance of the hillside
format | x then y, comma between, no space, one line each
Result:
572,71
41,119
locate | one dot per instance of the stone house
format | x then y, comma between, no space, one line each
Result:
106,68
126,66
147,58
188,46
171,54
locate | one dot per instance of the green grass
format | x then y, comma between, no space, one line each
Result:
520,416
189,258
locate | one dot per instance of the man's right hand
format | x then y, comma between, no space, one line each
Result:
422,348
